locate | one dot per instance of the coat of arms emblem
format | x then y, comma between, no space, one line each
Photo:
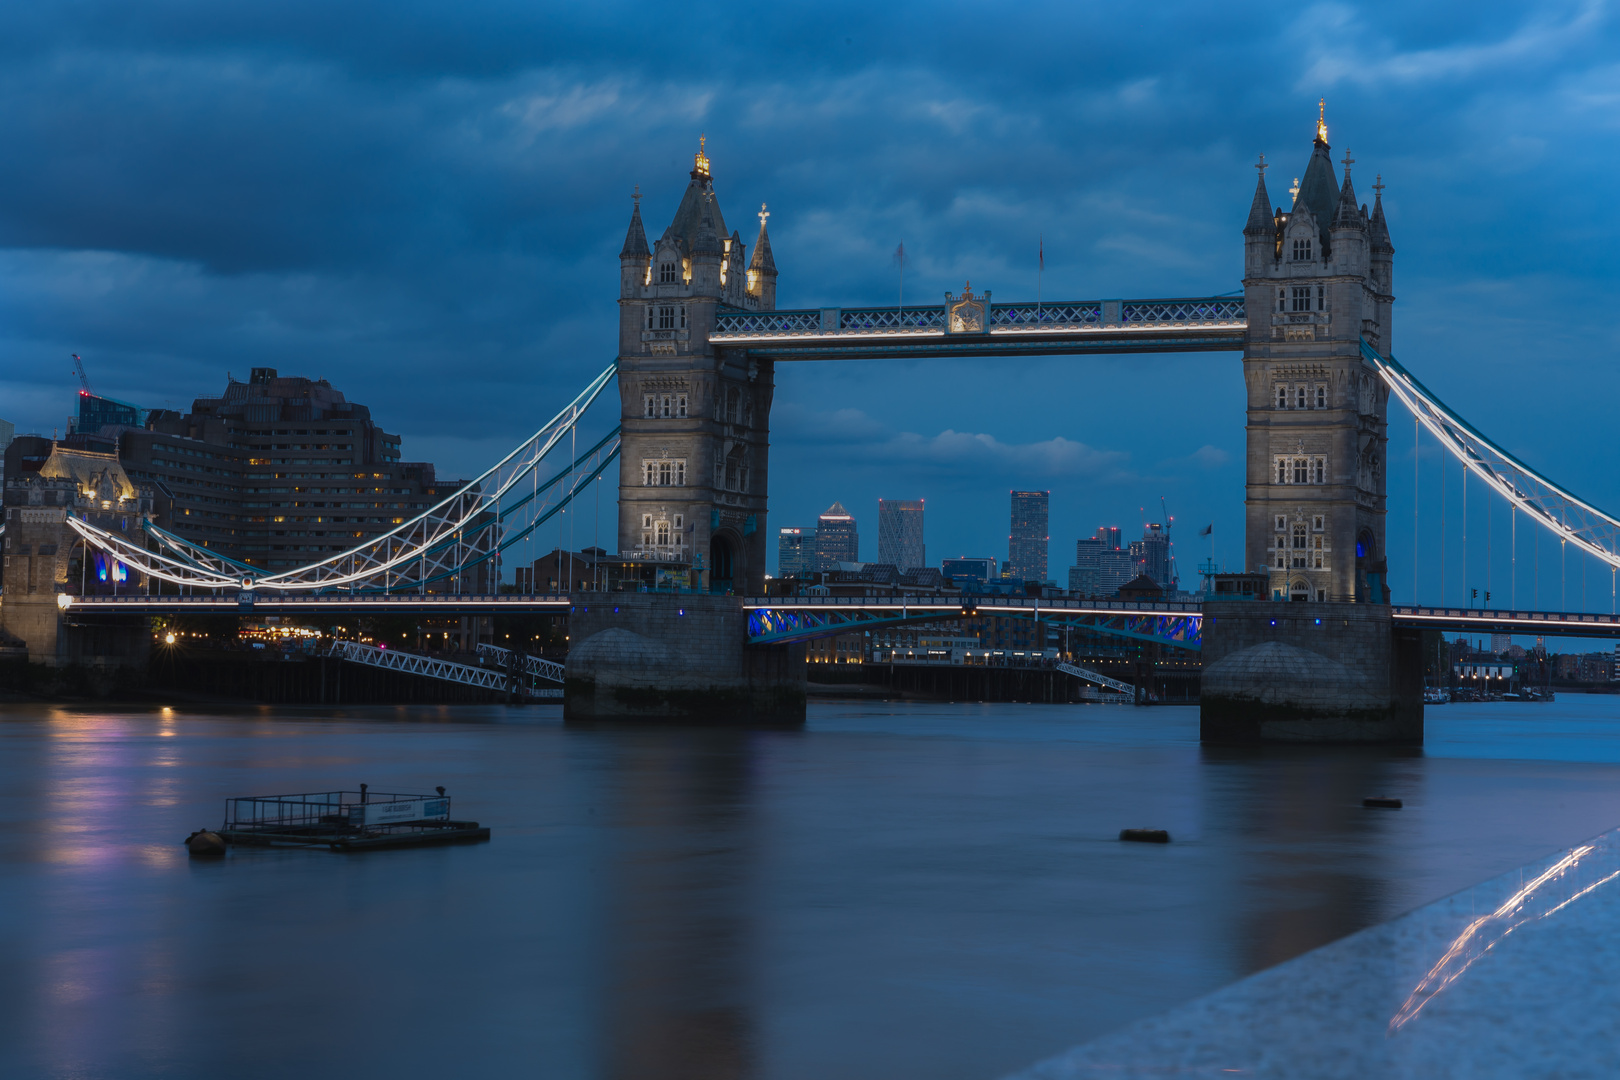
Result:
965,314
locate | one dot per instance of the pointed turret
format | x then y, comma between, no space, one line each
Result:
1260,222
1378,228
762,262
635,238
1348,215
762,268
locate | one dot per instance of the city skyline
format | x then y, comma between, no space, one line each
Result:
248,229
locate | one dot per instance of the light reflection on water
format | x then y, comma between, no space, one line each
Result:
897,891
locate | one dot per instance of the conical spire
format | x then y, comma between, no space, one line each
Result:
1260,220
1348,214
1319,191
762,262
635,238
1378,228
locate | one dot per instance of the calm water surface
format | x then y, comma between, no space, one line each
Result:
898,891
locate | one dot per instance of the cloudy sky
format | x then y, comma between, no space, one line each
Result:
423,203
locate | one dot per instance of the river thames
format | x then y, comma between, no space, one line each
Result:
899,890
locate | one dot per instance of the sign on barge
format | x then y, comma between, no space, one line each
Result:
346,820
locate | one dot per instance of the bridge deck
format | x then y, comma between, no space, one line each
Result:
868,608
1192,324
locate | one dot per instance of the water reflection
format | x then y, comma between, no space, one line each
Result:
1315,867
679,923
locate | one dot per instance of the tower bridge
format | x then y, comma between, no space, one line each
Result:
699,337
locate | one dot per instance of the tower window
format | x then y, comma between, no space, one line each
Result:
1302,249
1300,477
666,318
1302,298
665,407
1282,299
667,273
1282,397
1321,298
1299,397
1321,395
680,406
651,407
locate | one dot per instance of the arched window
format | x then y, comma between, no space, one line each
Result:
1302,249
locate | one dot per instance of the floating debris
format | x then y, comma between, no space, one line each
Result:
205,844
1145,836
343,821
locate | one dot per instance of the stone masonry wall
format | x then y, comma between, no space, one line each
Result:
676,657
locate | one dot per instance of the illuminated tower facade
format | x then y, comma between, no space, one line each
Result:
694,420
1317,281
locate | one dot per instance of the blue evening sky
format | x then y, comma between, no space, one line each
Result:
423,203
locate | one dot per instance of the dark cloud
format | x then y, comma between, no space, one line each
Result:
423,203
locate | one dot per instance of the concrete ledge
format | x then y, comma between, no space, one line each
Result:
1511,978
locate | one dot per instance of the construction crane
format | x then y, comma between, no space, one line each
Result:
78,366
1169,544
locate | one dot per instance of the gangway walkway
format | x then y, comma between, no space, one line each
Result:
487,678
534,665
1096,677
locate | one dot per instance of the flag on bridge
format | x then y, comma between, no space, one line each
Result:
1208,529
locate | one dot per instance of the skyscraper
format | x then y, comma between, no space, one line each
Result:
1151,554
795,551
900,533
1026,545
836,538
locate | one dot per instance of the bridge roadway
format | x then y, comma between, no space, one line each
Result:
1059,328
778,619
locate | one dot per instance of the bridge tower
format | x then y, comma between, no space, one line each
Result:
695,421
1317,279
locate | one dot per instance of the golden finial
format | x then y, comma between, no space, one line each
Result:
763,214
1321,120
1294,191
700,162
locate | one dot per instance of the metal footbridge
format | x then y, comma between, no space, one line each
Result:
503,673
1062,328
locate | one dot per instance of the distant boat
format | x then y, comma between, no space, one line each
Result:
1436,697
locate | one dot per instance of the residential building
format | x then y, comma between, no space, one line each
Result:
837,539
964,570
900,533
278,471
1500,643
1027,541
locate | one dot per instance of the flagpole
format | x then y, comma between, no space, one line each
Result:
1040,272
